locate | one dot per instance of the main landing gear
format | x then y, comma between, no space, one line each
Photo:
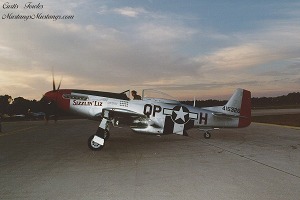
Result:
96,141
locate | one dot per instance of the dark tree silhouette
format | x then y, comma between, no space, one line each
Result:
292,99
5,100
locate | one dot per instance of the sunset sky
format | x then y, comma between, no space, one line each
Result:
185,48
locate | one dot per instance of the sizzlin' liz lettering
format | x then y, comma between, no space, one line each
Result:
97,103
87,103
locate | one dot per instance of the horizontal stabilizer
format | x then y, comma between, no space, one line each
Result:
226,115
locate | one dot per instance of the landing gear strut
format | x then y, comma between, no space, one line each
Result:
106,133
96,142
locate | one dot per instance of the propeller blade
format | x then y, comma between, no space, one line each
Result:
59,82
53,81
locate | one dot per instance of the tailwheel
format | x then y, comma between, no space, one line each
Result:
207,135
95,143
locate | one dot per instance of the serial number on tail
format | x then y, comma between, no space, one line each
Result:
231,109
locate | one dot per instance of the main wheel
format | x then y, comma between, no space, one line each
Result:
94,145
207,135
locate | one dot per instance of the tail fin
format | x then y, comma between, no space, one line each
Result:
240,105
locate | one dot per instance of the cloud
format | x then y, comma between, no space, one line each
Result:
96,57
241,56
27,81
267,55
129,11
123,11
137,47
164,33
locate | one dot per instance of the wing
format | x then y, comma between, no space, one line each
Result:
119,112
128,116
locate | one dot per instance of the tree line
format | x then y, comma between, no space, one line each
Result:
20,105
292,99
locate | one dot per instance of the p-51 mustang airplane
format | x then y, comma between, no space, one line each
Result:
150,115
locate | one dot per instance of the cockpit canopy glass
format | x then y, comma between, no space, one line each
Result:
158,96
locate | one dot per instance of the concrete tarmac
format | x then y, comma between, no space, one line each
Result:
53,161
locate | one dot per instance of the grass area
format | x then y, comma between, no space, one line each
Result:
288,119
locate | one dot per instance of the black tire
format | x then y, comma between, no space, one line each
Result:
207,135
93,145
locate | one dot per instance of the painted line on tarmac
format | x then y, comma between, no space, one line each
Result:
278,125
246,157
17,131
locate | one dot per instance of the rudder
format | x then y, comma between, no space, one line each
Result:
245,112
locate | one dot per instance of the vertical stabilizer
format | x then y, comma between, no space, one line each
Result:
239,105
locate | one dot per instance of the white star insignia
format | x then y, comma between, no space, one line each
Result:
180,114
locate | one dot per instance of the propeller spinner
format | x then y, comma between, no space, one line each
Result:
51,99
